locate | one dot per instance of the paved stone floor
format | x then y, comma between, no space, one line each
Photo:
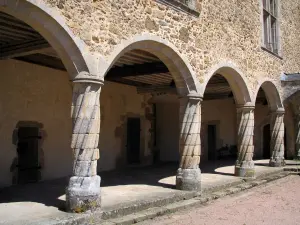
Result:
43,202
271,204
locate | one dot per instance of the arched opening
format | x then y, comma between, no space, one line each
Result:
38,58
267,102
51,26
225,91
140,109
35,89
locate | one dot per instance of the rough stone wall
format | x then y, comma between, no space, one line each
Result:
291,35
39,94
227,32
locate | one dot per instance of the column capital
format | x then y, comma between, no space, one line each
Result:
85,77
247,107
279,111
192,96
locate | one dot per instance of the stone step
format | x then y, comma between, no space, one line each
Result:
188,203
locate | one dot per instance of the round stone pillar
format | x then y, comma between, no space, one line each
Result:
83,192
244,166
297,123
277,138
188,174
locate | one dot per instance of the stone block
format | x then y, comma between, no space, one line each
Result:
83,194
188,179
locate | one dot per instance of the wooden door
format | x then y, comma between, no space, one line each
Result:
28,158
133,140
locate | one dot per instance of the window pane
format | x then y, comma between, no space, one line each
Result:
274,35
273,7
265,4
266,33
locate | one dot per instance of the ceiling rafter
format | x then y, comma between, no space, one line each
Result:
137,70
23,48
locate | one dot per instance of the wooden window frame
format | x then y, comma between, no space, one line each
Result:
270,23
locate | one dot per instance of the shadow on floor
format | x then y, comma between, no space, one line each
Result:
46,192
49,192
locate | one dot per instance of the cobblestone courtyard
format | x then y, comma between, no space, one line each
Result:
274,203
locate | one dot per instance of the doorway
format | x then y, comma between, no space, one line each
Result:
133,140
266,141
212,141
28,157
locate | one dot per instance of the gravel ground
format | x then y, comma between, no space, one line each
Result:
277,202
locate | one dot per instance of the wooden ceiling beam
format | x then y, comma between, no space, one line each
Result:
22,49
43,60
137,70
126,81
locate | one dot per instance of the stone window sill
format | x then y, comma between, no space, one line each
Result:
177,5
272,53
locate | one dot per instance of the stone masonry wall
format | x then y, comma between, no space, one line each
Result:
227,32
291,36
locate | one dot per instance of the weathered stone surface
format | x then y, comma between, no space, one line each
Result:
244,166
83,192
277,139
151,24
227,35
297,123
188,179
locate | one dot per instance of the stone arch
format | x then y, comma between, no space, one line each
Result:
272,95
47,21
234,77
182,72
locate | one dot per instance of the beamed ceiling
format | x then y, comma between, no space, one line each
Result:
137,68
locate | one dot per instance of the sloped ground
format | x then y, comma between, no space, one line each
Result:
274,203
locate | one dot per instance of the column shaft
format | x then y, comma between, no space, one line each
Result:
244,165
83,192
189,175
277,139
297,122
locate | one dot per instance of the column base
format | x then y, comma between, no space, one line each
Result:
188,179
244,169
279,162
246,172
83,194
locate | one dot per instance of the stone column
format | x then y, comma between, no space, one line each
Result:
189,174
83,192
277,138
297,122
244,166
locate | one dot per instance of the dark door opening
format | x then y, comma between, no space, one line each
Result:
266,142
28,158
212,141
133,140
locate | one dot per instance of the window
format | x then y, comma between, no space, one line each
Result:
189,6
270,25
